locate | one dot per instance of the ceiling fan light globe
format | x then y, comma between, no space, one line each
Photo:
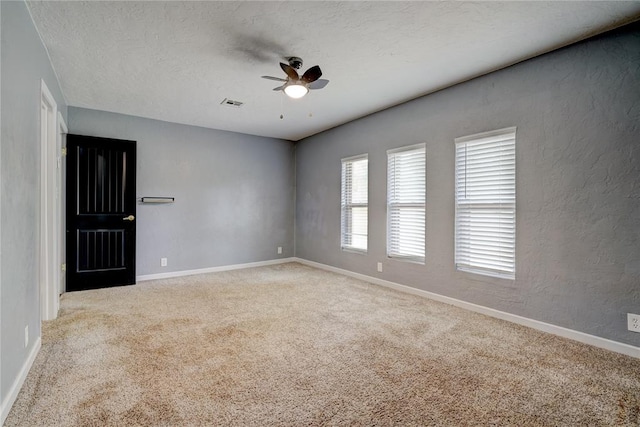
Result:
296,91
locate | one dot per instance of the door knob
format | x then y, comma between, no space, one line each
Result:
129,218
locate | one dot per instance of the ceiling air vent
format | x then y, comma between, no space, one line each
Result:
231,103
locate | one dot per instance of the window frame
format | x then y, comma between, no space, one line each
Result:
501,206
392,254
346,205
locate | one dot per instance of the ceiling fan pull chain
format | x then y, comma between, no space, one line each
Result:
281,108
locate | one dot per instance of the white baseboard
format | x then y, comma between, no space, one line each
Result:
571,334
146,277
9,400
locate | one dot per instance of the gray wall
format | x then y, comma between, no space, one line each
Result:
234,192
577,112
24,62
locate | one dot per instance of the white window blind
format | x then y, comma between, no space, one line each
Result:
406,197
355,199
486,203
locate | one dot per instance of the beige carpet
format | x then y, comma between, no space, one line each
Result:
291,345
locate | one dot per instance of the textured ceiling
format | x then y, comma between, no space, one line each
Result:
177,61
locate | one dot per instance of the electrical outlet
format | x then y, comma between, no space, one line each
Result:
633,322
26,336
163,262
279,250
379,267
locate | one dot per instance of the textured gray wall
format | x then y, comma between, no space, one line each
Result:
578,186
24,62
234,192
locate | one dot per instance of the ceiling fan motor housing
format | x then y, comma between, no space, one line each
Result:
295,62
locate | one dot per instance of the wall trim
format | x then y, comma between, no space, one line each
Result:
48,233
11,397
145,277
571,334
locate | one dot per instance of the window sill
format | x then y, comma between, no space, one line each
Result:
355,251
495,275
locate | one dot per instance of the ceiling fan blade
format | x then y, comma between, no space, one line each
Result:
278,79
312,74
291,72
279,87
318,84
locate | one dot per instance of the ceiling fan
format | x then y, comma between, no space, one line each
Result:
296,86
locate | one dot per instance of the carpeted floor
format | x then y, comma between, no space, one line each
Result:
291,345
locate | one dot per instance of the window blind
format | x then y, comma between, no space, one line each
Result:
354,204
406,197
485,234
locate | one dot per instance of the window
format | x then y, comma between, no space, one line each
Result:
406,196
486,203
355,207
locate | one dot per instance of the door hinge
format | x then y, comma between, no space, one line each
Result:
64,267
64,151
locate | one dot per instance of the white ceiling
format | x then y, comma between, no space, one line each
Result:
177,61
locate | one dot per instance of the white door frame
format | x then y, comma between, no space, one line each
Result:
60,206
49,253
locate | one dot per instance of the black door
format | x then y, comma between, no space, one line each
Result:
101,209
